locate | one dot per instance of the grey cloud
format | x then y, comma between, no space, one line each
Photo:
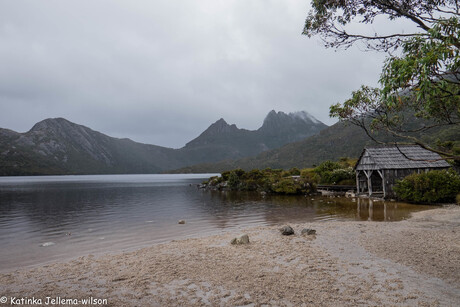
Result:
160,72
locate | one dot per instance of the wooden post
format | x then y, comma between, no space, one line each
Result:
384,185
357,183
369,181
381,173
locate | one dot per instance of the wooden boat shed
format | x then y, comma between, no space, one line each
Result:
378,168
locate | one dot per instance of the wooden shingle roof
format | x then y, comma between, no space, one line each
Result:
401,157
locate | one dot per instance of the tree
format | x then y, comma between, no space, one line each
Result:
421,75
233,180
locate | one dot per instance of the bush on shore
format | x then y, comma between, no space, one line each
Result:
430,187
330,172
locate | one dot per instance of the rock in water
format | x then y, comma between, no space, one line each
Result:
244,239
181,222
308,231
287,230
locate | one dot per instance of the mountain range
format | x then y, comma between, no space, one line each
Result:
339,140
58,146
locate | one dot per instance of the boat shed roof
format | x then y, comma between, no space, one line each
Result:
399,157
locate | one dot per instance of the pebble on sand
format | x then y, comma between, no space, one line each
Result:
308,231
244,239
287,230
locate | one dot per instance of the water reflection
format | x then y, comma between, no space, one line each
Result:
87,214
279,208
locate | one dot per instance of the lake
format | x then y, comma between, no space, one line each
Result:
49,218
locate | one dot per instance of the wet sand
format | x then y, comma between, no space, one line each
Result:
415,262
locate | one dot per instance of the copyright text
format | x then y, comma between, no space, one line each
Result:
53,301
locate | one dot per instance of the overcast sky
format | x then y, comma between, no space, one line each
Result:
161,72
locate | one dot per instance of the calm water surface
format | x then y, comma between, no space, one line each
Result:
58,217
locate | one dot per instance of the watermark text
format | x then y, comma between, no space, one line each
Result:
53,301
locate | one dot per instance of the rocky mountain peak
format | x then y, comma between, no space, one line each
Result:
216,130
280,120
305,116
52,124
58,135
220,127
274,118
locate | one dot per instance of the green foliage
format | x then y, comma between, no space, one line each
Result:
421,79
255,174
225,175
429,187
267,180
286,186
233,180
347,162
330,172
341,176
294,171
327,166
253,180
456,151
214,180
309,175
239,172
426,67
290,185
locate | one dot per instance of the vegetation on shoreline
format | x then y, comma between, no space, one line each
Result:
336,173
275,181
278,181
430,187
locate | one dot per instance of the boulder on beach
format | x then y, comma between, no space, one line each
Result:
244,239
287,230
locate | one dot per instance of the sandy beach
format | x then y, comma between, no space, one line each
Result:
415,262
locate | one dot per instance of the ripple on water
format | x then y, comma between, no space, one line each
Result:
46,244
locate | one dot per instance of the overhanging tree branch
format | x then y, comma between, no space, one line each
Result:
423,79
